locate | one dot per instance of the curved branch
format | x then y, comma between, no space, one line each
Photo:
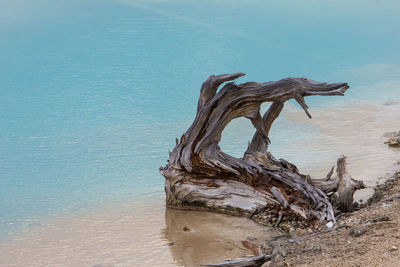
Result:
242,100
210,86
257,143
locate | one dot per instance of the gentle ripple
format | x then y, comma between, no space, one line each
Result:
93,94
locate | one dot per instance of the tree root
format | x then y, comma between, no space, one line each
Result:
200,176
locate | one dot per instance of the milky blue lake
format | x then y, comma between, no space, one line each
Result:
94,93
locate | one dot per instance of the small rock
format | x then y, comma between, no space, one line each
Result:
398,162
292,230
170,244
357,231
394,140
330,224
393,248
185,228
379,234
380,218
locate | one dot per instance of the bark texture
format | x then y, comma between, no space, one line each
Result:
201,176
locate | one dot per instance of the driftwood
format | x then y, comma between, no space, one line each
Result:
200,176
343,198
392,198
250,261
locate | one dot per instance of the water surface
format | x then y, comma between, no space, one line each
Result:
94,93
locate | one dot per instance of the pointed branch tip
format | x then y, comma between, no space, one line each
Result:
302,103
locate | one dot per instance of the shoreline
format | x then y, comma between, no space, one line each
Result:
369,236
188,239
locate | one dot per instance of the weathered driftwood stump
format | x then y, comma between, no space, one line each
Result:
199,176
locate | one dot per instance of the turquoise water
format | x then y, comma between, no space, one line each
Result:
93,93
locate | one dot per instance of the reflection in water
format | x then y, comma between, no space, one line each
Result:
203,237
134,234
122,235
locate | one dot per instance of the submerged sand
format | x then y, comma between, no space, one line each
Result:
140,236
356,131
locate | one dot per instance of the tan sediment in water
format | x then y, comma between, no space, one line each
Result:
145,234
356,132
